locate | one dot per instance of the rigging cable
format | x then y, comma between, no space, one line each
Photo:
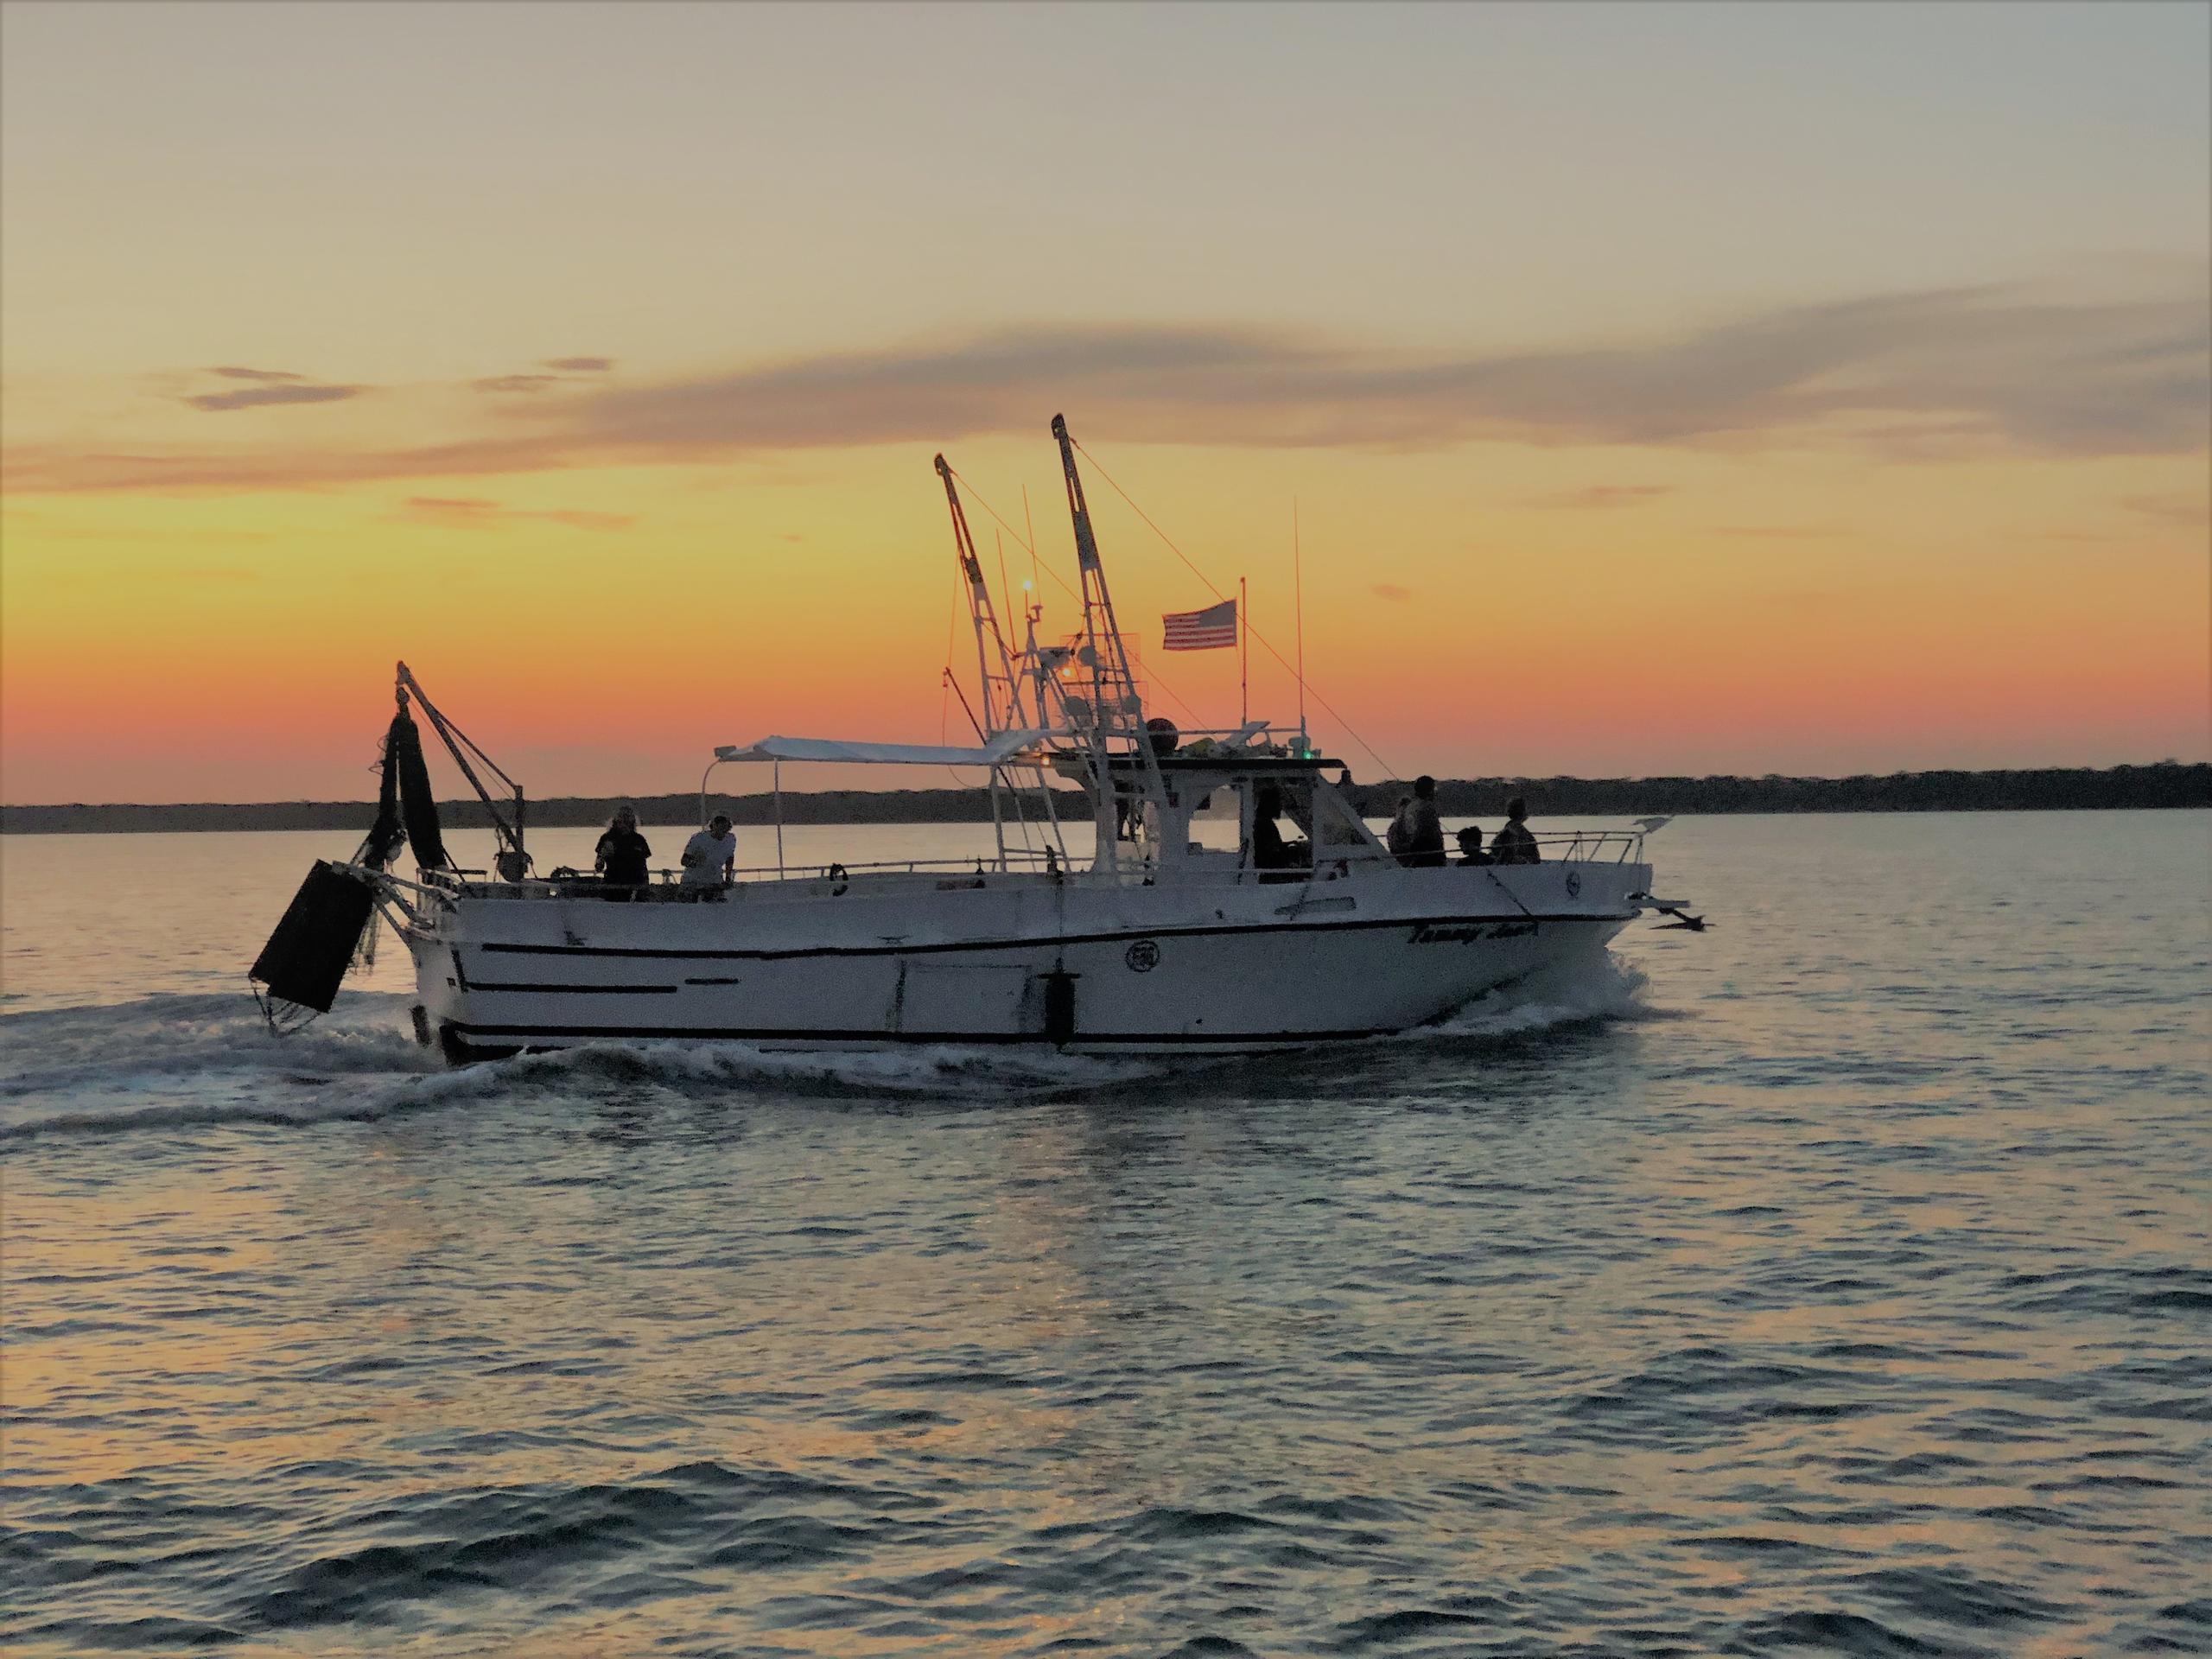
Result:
509,834
1153,677
944,683
1389,770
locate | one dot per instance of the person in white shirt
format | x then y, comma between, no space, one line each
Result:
710,859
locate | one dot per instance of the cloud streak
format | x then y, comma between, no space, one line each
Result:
475,513
2191,512
261,397
62,469
1777,532
1600,497
566,370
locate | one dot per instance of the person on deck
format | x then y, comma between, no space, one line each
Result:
1470,848
1399,837
710,859
1269,850
1514,844
620,857
1424,839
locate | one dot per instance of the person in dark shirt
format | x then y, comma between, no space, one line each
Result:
1470,848
1269,850
620,857
1400,838
1425,844
1514,844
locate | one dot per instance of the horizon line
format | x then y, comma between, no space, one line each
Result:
2168,764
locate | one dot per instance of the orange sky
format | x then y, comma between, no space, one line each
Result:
607,398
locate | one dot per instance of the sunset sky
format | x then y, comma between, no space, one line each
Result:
1661,388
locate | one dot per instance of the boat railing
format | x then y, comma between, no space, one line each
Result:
666,885
1553,846
1023,865
944,875
1591,846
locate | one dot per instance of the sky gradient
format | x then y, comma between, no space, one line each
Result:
1661,388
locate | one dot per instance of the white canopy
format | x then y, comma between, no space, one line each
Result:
1001,749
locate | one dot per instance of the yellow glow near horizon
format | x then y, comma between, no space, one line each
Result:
685,608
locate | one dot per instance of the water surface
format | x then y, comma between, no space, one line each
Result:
1834,1282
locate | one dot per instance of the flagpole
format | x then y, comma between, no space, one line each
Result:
1298,578
1243,658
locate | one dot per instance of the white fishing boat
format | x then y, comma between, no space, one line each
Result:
1189,922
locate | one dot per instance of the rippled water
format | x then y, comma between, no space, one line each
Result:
1839,1281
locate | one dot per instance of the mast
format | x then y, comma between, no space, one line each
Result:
1040,684
985,618
1113,688
983,614
1298,580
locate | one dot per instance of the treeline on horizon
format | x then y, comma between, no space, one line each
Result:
2168,784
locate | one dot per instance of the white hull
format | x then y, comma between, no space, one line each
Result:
1242,966
1200,926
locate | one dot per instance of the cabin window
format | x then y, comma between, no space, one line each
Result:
1336,829
1292,803
1217,823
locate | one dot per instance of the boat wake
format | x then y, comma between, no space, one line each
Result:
949,1070
178,1061
1570,993
183,1059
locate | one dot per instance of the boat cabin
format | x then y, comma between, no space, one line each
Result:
1191,814
1204,818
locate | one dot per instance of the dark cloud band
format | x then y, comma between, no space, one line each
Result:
1986,367
1928,375
217,402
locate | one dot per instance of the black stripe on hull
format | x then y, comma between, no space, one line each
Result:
584,990
517,1039
1040,942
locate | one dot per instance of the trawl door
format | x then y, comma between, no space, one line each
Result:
960,999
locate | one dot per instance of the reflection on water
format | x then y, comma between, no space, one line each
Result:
1842,1289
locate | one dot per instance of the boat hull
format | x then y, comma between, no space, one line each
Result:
1080,968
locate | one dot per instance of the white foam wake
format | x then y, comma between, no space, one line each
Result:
1569,992
199,1058
181,1060
949,1070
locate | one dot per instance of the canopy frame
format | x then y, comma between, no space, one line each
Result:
1005,749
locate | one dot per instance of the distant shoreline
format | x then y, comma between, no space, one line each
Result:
2058,789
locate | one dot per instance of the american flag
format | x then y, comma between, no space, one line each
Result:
1212,629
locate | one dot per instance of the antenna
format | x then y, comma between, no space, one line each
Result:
1029,526
1005,598
1298,580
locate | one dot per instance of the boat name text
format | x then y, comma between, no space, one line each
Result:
1468,933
